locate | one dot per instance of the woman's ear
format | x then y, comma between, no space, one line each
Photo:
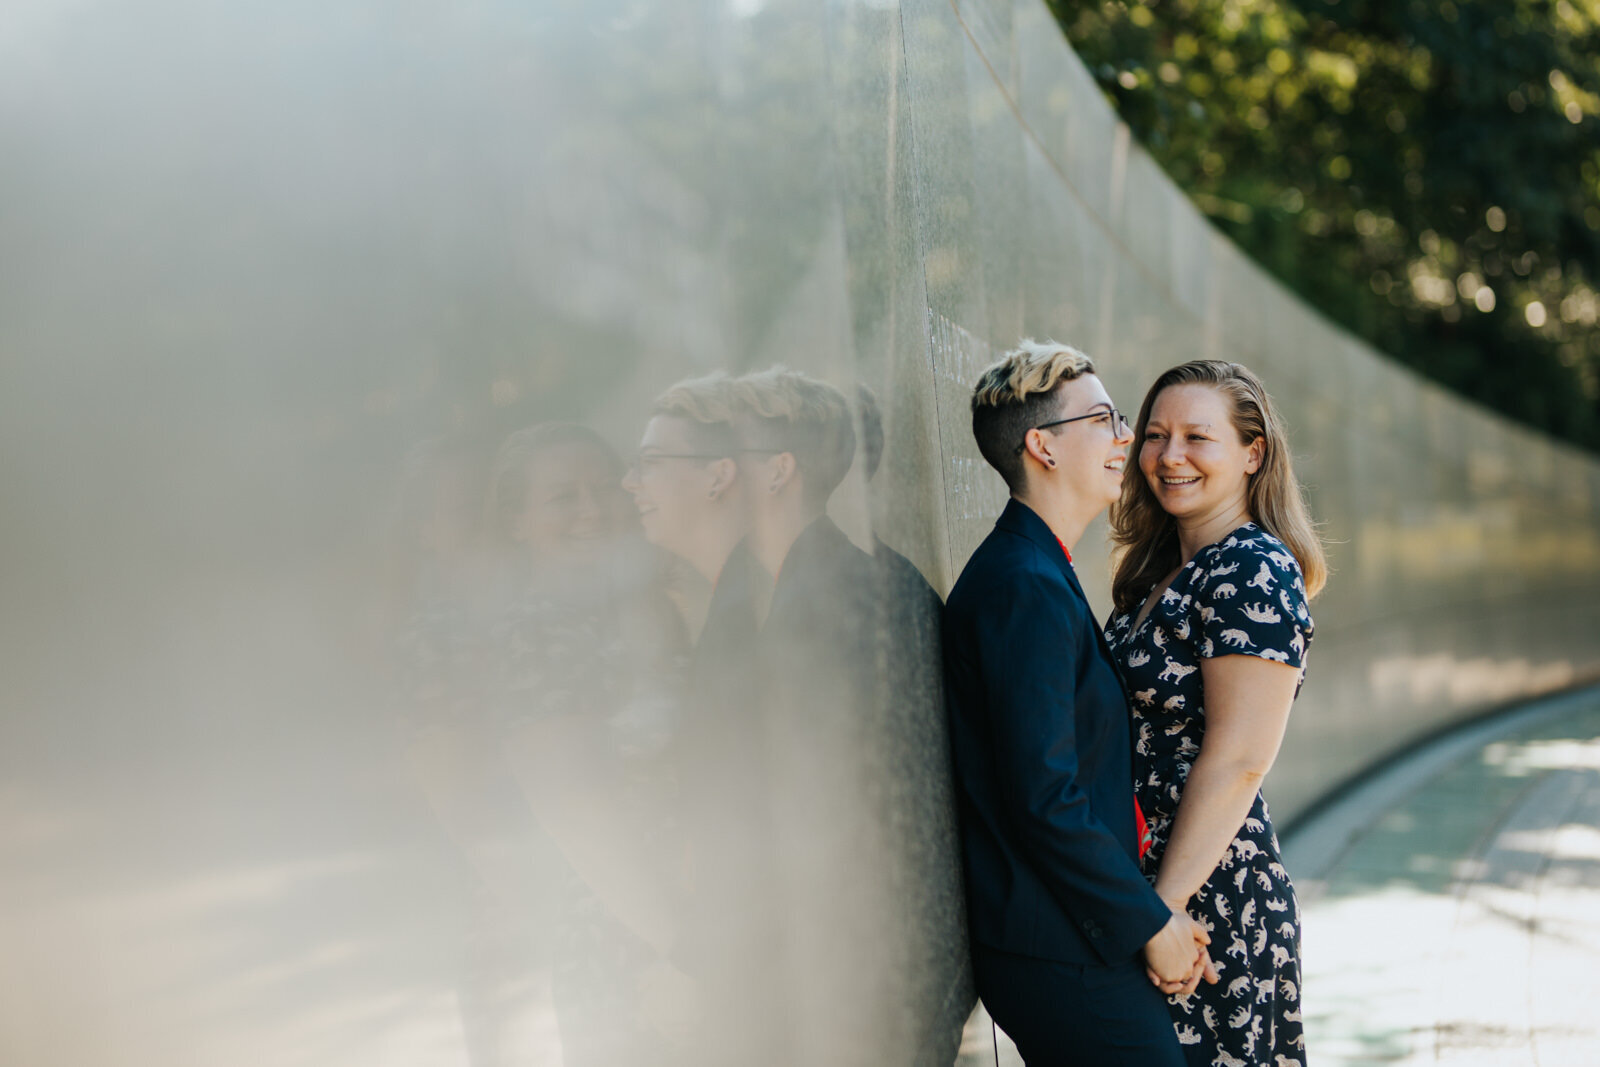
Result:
1257,455
780,472
724,472
1039,445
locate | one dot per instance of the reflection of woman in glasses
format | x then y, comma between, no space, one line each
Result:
685,481
590,661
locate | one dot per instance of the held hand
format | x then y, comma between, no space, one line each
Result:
1207,969
1201,965
1204,968
1167,988
1170,956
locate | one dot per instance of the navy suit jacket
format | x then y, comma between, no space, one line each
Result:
1043,749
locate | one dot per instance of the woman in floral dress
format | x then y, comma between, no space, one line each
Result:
1210,631
589,663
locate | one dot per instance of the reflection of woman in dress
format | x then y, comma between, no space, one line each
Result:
439,607
589,665
1210,630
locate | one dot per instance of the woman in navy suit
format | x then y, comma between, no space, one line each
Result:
1063,924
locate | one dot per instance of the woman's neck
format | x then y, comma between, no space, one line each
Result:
1065,514
710,550
774,532
1193,535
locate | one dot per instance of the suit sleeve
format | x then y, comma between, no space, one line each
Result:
1028,637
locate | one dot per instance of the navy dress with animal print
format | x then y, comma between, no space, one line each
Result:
1240,596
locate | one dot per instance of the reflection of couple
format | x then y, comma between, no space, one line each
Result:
1073,945
733,476
671,826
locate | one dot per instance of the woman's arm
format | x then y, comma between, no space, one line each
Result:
1247,703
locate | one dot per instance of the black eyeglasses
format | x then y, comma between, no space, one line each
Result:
643,461
1116,417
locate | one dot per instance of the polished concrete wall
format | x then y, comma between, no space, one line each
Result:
260,261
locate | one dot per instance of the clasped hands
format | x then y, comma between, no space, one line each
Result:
1176,958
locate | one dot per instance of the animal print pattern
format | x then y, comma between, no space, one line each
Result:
1243,595
438,658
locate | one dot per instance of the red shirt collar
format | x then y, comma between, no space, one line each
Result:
1064,548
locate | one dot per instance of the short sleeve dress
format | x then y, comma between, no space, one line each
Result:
565,650
1242,595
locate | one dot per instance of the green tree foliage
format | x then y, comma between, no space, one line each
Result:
1425,172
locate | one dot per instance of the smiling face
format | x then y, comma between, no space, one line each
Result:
1090,453
574,504
1192,457
674,483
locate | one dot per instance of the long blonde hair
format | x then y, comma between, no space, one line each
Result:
1148,537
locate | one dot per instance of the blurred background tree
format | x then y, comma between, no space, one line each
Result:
1425,172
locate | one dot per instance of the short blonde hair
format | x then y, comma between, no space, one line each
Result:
1027,370
783,410
707,405
708,399
1016,393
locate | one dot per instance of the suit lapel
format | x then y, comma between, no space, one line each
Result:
1020,519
